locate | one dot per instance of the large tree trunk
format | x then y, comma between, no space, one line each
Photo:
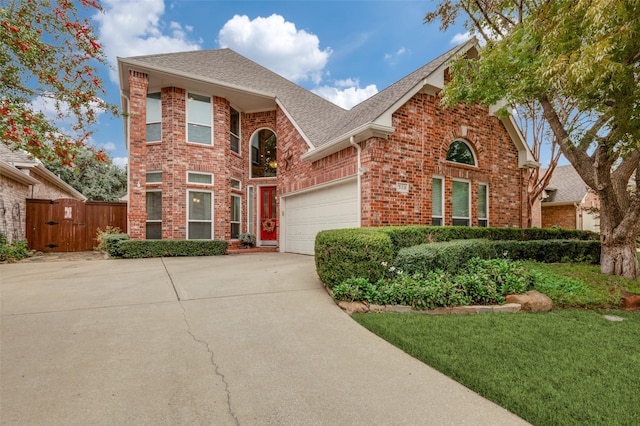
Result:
619,259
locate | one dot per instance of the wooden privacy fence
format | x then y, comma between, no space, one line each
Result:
66,225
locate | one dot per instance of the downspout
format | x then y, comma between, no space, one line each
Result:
352,141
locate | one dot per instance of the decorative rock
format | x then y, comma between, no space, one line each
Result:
613,318
376,308
630,302
532,301
399,308
353,307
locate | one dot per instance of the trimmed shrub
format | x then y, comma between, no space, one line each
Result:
136,249
112,243
341,254
454,255
13,251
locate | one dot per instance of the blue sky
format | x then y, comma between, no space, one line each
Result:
345,51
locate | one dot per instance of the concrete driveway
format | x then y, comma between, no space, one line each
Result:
249,339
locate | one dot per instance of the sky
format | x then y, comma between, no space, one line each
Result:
345,51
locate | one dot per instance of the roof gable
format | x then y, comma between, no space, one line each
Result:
565,186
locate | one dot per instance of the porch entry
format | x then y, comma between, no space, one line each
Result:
268,216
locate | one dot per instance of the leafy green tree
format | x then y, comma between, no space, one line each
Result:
48,55
579,61
98,180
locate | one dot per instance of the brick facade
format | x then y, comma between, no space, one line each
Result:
412,155
13,208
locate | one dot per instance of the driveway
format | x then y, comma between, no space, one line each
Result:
249,339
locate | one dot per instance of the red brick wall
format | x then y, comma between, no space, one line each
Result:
562,216
137,216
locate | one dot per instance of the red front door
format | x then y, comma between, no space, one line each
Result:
268,215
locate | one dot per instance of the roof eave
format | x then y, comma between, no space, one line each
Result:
526,159
15,174
363,132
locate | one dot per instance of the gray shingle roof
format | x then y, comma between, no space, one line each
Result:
565,186
319,119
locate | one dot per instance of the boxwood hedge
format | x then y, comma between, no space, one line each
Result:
360,253
125,248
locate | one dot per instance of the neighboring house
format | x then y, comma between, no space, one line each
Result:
219,145
567,202
22,177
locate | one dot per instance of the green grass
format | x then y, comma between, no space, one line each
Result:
560,368
580,284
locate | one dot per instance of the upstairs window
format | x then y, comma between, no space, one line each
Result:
234,130
460,152
154,117
263,154
199,119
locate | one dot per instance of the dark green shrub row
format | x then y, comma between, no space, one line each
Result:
112,243
484,282
409,236
454,255
351,253
165,248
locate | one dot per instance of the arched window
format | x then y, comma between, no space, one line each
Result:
460,152
263,154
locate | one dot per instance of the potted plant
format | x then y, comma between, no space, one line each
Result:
248,239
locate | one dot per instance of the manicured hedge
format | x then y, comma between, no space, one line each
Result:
164,248
360,252
352,253
454,255
112,243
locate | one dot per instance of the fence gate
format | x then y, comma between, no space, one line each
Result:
66,225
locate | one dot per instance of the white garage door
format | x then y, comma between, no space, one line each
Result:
306,214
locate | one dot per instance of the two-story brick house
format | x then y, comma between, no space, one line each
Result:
219,145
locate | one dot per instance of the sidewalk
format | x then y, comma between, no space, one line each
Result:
249,339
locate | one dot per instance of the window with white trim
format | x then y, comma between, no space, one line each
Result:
154,117
236,203
250,218
460,152
234,130
200,216
460,203
200,178
236,184
483,205
437,193
154,177
154,215
199,119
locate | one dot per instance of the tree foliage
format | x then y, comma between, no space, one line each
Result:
579,61
98,180
48,56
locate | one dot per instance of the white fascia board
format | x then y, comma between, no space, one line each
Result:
286,112
525,156
366,131
51,177
558,203
13,173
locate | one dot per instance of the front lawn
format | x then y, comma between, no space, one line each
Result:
559,368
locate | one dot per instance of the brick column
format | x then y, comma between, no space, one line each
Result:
138,86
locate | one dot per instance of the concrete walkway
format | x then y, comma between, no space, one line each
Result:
248,339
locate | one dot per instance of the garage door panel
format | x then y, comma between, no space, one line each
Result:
307,214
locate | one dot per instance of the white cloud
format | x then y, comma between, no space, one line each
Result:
346,93
461,37
61,113
392,57
120,162
278,45
109,146
129,28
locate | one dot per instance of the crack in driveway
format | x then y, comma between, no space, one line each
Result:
206,345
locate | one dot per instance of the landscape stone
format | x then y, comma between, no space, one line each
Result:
532,301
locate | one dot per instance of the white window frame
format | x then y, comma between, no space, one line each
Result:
189,221
191,173
473,153
232,135
188,121
238,187
486,219
239,221
442,205
153,220
250,207
468,219
153,122
155,182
